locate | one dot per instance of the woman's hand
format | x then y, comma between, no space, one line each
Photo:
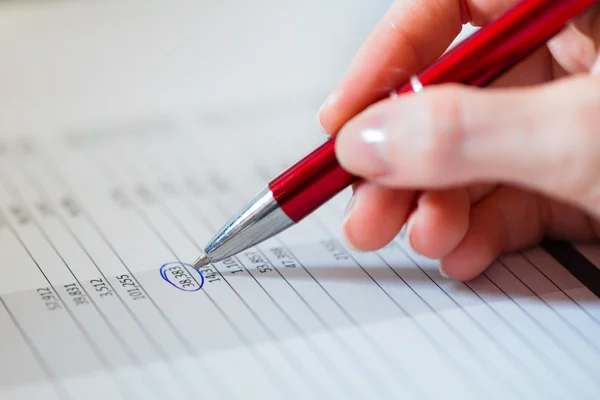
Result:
475,172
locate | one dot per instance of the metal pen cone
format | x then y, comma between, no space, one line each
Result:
201,261
258,221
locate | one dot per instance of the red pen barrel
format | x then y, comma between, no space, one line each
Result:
491,51
476,61
310,182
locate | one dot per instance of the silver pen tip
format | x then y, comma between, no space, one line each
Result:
201,261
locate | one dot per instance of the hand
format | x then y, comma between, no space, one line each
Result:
472,172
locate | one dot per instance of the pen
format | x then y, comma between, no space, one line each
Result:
316,178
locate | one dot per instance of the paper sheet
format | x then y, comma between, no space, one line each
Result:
99,208
96,302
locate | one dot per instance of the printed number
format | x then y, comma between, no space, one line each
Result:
284,256
262,268
280,252
20,214
179,277
210,275
125,280
51,300
288,264
261,265
101,287
78,296
335,250
131,286
232,266
182,276
71,207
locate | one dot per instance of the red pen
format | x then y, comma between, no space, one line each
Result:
316,178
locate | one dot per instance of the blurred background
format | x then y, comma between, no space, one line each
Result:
69,62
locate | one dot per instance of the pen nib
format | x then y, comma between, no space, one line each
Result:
201,261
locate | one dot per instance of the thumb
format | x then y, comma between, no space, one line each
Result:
544,138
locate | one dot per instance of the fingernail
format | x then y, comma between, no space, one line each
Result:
409,226
322,107
442,272
324,104
320,125
362,151
411,222
332,98
347,213
349,244
348,209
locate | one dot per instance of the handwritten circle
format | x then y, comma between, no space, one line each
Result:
164,274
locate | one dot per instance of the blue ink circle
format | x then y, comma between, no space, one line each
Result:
163,274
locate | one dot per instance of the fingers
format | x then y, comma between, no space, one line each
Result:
573,52
375,215
542,138
511,219
441,219
468,238
477,192
588,23
411,35
402,43
439,223
506,220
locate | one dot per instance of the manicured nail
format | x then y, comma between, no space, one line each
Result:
409,226
442,272
362,151
348,209
347,214
332,98
320,125
325,103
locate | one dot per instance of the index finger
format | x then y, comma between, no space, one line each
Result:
412,34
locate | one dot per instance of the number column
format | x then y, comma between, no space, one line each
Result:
44,309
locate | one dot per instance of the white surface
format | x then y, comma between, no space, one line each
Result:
66,61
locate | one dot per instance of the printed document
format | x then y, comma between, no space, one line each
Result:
98,230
